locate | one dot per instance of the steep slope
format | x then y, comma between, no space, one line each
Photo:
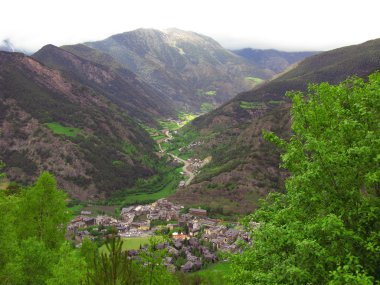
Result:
244,166
190,68
51,122
118,84
274,60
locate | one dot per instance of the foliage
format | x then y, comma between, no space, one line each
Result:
43,213
251,105
325,229
129,243
151,189
206,107
32,227
58,129
113,266
155,271
214,273
69,269
254,80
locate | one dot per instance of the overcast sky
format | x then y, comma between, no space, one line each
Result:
281,24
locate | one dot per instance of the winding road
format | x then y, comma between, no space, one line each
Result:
187,166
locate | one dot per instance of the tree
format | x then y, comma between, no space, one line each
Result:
31,264
70,268
113,267
43,213
325,229
8,238
152,258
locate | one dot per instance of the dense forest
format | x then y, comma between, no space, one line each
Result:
324,229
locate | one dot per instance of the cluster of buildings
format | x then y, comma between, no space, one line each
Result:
195,236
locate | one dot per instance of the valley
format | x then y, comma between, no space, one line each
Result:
162,157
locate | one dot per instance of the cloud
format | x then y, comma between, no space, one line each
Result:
289,25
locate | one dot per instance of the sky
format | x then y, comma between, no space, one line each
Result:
289,25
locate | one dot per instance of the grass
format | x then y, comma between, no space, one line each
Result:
151,189
4,184
210,93
276,102
170,125
58,129
201,92
215,273
75,210
207,107
251,105
129,243
253,80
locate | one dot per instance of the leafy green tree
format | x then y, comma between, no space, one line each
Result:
155,271
8,238
43,213
113,267
31,265
70,269
326,228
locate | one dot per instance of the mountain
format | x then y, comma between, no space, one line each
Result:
51,121
244,167
274,60
192,69
105,75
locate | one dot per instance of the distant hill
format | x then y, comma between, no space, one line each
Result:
51,121
118,84
274,60
245,167
190,68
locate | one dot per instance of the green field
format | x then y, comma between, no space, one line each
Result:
129,243
251,105
58,129
151,192
215,273
254,80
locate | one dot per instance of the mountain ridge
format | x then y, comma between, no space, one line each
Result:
184,65
241,157
51,122
119,85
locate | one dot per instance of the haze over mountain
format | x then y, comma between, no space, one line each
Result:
272,59
244,166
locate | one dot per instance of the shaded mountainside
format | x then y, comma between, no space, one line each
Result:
118,84
244,166
49,121
271,59
190,68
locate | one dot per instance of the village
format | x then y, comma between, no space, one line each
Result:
194,239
